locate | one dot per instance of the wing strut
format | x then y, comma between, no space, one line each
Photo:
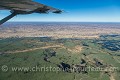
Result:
7,18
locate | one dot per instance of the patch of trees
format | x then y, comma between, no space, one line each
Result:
48,53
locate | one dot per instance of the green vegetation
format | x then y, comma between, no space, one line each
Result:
45,52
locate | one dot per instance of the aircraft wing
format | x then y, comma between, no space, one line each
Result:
24,7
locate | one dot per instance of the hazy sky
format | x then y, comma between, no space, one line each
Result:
76,10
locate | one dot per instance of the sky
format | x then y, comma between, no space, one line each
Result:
75,11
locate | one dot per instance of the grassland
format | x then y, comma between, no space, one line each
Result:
100,52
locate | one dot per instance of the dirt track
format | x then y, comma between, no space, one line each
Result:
77,49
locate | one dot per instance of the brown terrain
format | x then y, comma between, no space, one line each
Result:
58,30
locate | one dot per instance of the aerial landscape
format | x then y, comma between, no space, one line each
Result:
60,49
60,45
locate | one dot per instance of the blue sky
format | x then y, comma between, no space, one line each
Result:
75,11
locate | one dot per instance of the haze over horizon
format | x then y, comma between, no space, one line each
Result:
74,11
